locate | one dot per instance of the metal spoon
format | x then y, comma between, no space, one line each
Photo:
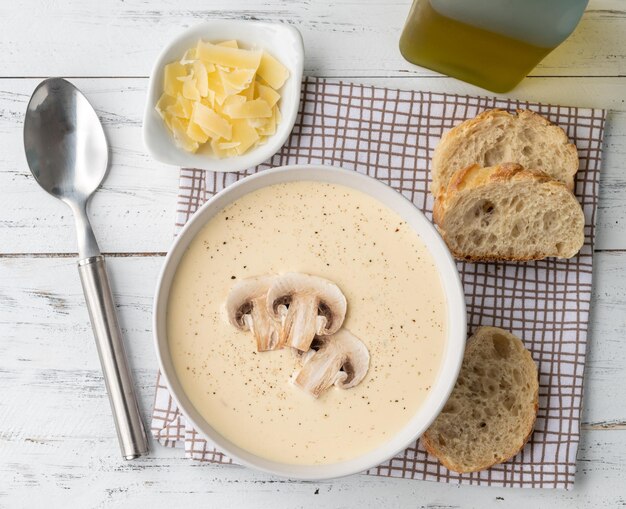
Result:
68,155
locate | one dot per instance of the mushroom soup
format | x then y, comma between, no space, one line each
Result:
306,323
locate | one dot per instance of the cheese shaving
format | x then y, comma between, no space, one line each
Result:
201,76
211,122
229,44
272,71
171,85
268,94
249,109
228,57
196,133
190,90
222,96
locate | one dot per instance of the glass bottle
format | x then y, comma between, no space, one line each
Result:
490,43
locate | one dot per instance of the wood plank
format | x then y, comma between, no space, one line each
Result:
134,211
605,377
87,472
93,38
49,367
84,472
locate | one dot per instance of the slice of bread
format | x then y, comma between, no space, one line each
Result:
506,212
491,412
495,137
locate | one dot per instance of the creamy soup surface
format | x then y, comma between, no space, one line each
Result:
396,306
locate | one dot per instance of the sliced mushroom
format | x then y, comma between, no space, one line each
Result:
246,310
341,359
306,306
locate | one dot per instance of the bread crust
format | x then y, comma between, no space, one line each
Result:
460,133
431,446
433,450
473,177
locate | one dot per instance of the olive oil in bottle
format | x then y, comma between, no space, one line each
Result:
490,43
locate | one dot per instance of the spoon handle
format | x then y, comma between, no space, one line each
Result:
119,384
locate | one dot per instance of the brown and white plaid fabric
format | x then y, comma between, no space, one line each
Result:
391,134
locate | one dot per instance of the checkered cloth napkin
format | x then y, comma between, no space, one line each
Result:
391,134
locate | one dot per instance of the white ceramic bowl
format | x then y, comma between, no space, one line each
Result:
456,322
282,41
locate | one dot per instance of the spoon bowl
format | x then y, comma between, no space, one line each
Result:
65,144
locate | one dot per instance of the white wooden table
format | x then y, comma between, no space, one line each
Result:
57,443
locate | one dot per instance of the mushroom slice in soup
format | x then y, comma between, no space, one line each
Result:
340,359
306,306
246,310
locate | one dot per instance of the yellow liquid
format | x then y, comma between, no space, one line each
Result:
471,54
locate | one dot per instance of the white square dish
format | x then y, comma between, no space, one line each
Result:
283,41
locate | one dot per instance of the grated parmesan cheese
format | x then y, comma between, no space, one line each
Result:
223,96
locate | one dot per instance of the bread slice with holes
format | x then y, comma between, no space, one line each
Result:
491,412
495,137
506,212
